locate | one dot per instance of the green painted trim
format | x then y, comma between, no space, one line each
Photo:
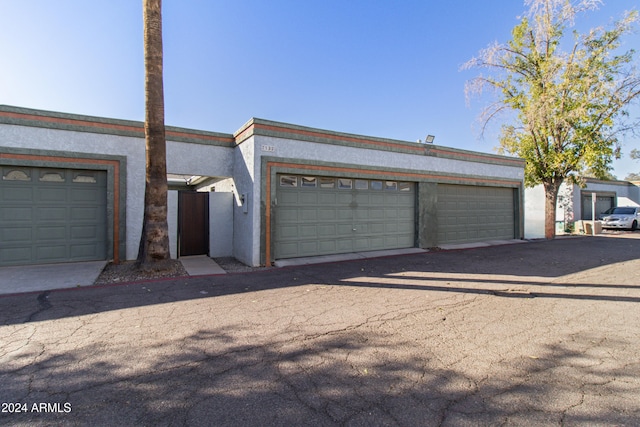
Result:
267,128
254,127
260,127
609,182
66,116
98,125
389,173
472,156
70,164
196,137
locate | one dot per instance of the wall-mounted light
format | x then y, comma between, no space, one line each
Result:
429,139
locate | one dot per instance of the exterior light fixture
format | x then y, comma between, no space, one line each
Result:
429,139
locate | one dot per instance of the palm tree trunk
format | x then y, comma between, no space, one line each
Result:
154,241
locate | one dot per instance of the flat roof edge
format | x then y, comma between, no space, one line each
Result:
262,127
83,123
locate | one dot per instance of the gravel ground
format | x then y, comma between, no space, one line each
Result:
127,271
232,265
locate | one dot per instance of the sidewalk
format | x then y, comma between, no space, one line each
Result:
200,265
34,278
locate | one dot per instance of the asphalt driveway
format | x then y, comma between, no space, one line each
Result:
542,333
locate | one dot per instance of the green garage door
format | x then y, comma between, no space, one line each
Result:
52,215
602,204
321,215
475,214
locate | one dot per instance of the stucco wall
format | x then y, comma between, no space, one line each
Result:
212,154
356,158
182,158
294,149
626,194
534,212
70,142
220,224
198,159
246,214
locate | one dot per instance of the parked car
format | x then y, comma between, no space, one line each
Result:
605,213
622,217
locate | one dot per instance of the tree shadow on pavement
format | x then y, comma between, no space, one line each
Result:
504,271
238,377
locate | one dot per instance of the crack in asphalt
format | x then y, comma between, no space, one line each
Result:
43,305
335,354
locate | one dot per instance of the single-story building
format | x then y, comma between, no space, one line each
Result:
72,189
575,203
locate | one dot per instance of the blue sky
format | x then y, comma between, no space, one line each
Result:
387,68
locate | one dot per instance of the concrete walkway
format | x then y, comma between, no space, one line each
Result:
345,257
385,253
200,265
34,278
474,245
31,278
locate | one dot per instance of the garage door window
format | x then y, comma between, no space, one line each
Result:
308,181
51,176
85,177
391,185
345,184
16,175
288,181
362,184
376,185
327,183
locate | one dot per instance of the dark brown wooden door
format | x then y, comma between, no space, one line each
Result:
193,223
